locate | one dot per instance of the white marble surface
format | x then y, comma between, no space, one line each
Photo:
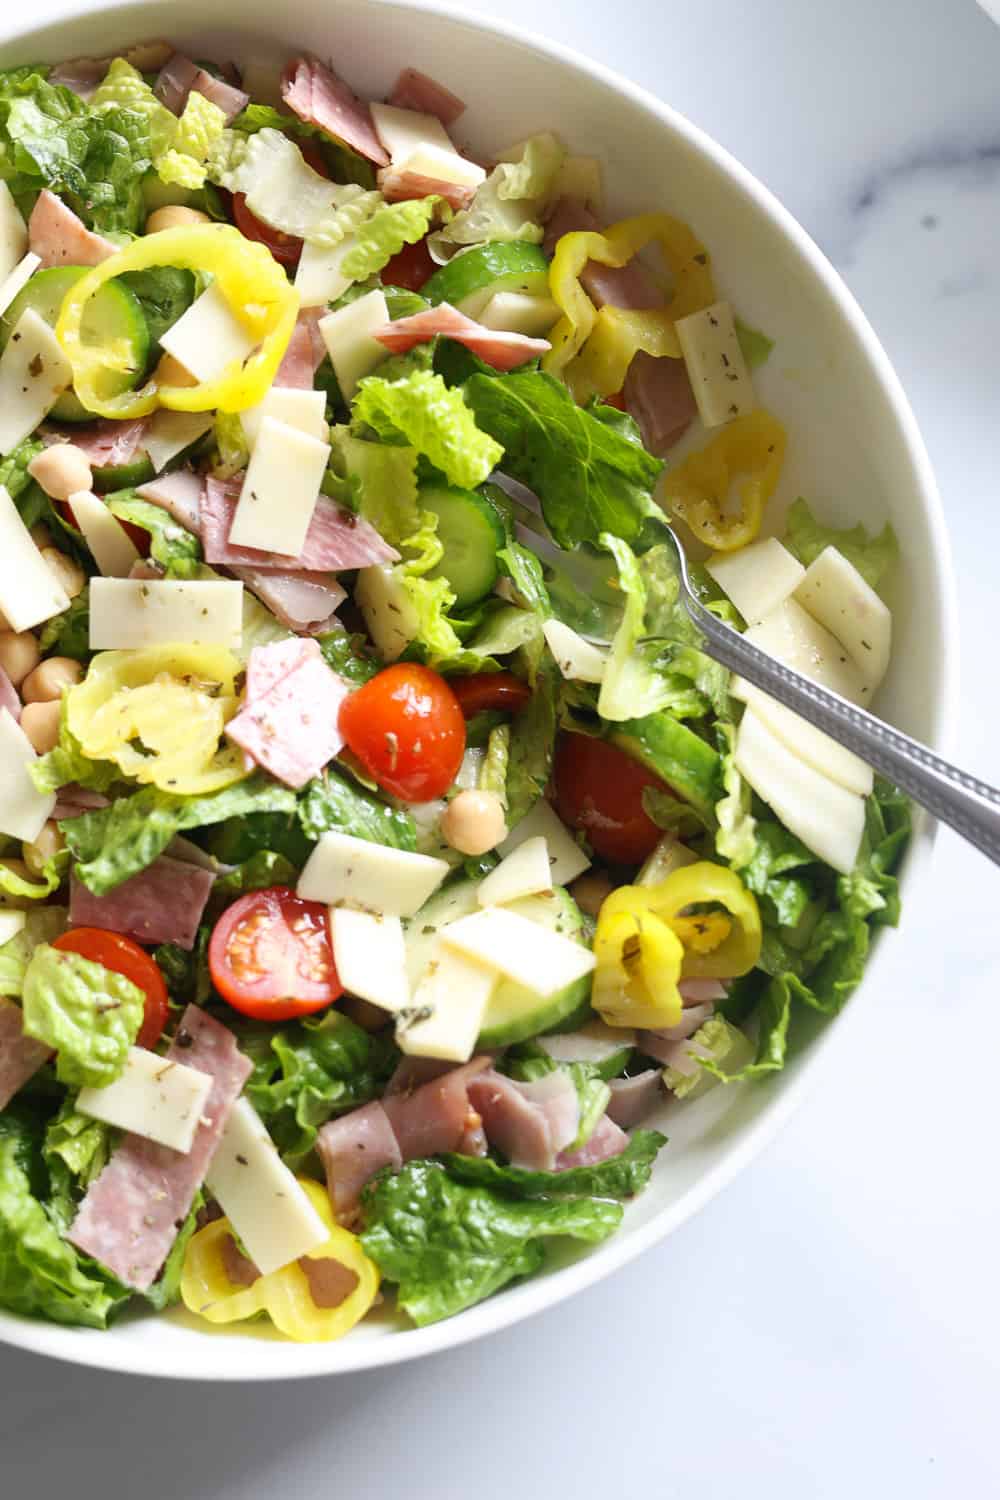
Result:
831,1325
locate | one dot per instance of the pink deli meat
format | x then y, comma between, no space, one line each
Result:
305,353
437,1116
9,698
293,731
179,494
180,77
504,351
72,800
415,90
633,1098
59,238
131,1214
607,1140
336,539
320,98
269,665
301,601
20,1056
81,75
352,1149
164,903
529,1122
396,184
103,444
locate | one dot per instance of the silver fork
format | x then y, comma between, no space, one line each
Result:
970,806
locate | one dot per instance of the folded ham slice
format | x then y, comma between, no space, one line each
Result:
504,351
606,1140
131,1214
73,799
301,601
180,77
80,75
352,1149
179,493
164,903
315,93
305,353
293,729
9,697
271,664
529,1122
336,539
59,238
436,1116
415,90
20,1056
103,444
633,1098
397,183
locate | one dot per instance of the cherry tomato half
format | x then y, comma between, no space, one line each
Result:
486,690
270,956
406,728
137,535
285,248
598,789
122,956
410,268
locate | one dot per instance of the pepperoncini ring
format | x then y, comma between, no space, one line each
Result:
253,284
717,945
285,1295
638,963
752,446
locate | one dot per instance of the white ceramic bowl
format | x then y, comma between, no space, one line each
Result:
854,450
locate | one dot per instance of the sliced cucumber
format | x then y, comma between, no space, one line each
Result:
470,280
114,321
514,1012
471,532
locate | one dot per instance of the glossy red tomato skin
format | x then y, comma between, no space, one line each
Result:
407,729
598,789
481,691
617,401
285,248
122,956
270,956
410,268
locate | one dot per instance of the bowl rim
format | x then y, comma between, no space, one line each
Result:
96,1350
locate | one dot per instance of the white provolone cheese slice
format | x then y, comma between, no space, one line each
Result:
29,590
370,956
136,612
525,951
442,164
280,490
17,279
209,336
13,232
11,923
24,810
716,368
446,1013
401,131
566,857
759,578
303,410
802,643
345,871
809,743
160,1100
320,278
835,594
170,432
34,372
347,334
517,312
576,658
114,551
526,871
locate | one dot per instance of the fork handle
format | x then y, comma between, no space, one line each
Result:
966,804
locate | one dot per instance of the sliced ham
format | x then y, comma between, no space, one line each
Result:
633,1098
436,1116
301,601
180,77
72,800
330,1281
352,1149
59,238
20,1056
529,1122
398,183
606,1140
178,493
412,1072
702,991
662,1043
239,1268
9,697
315,93
305,353
504,351
415,90
164,903
293,730
271,664
81,75
336,539
103,444
131,1214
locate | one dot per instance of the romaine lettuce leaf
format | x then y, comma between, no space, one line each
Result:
735,838
177,551
87,1013
284,191
525,572
348,655
871,555
35,887
433,419
199,127
620,1177
756,346
68,634
124,85
343,164
333,801
390,227
40,926
76,1143
14,474
264,868
386,474
532,744
509,204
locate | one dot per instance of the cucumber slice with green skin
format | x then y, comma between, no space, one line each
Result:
682,758
471,531
113,320
123,476
514,1013
472,278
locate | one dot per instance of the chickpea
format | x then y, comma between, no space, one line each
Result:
61,470
69,575
47,845
170,371
590,891
45,684
175,216
19,654
40,722
473,822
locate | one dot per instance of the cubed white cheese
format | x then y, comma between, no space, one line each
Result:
319,278
170,432
270,1212
759,578
401,131
11,923
345,871
34,372
370,956
826,817
29,590
17,279
441,164
303,410
835,594
525,951
24,811
347,334
390,617
280,490
716,368
526,871
13,232
576,658
446,1013
160,1100
136,612
802,643
806,741
209,336
517,312
566,858
114,552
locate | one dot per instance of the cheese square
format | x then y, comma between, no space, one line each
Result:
526,871
160,1100
13,232
401,131
345,871
209,336
319,278
526,952
114,551
29,590
16,280
445,1016
347,334
135,612
34,372
303,410
370,956
170,432
717,370
759,578
24,810
280,490
566,857
442,165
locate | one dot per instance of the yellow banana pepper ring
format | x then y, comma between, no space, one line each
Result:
697,491
255,287
286,1295
716,945
638,963
613,335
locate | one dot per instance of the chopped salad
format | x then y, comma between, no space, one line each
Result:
378,849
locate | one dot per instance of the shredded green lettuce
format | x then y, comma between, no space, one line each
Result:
40,926
125,86
716,1042
735,838
284,191
198,128
334,801
433,419
871,555
390,227
87,1013
532,745
176,550
510,203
